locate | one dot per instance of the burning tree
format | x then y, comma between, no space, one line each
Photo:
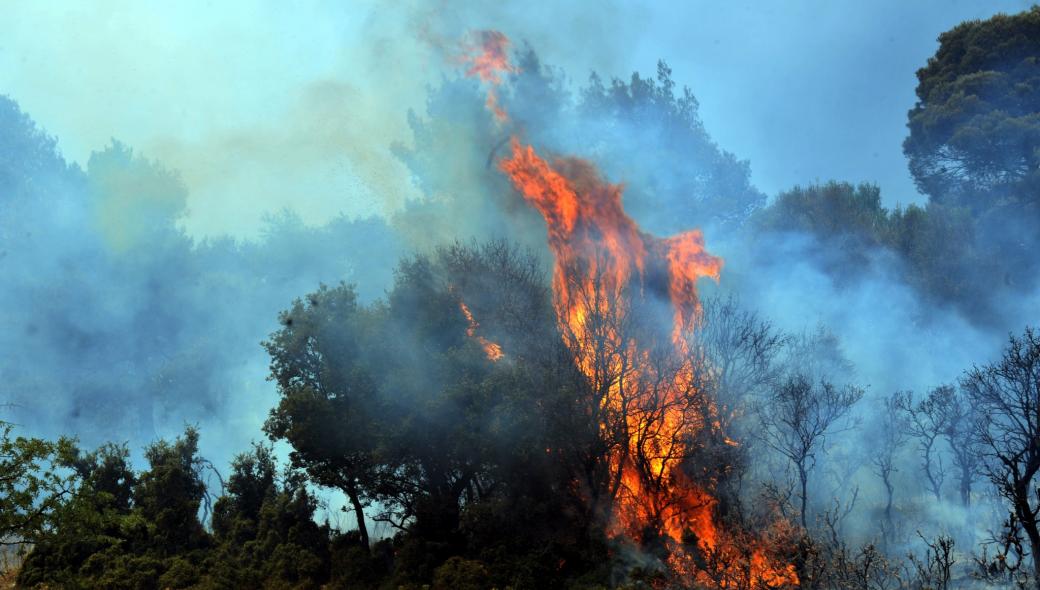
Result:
461,394
407,408
627,307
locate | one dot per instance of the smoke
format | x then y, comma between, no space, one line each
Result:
893,334
119,326
275,152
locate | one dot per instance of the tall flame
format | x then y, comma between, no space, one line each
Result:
605,267
487,54
603,260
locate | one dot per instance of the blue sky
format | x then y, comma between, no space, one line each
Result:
262,108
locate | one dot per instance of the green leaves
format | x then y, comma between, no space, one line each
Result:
32,484
975,129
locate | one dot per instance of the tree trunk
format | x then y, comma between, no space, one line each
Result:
1029,526
1034,546
1022,492
359,513
965,488
889,524
932,482
803,478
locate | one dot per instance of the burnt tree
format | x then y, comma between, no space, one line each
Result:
965,452
1007,396
928,422
798,416
890,435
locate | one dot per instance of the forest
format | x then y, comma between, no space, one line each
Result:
593,356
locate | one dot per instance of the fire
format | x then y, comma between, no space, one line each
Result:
604,268
491,349
607,274
488,58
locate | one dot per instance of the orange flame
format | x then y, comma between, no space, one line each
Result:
488,57
601,257
491,349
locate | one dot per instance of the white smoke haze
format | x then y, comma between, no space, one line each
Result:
267,152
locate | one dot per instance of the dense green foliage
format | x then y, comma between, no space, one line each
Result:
485,471
974,150
122,529
975,130
30,485
398,406
935,245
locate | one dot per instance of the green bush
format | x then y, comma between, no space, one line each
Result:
461,574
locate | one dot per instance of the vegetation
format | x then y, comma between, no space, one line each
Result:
972,150
30,487
398,405
448,415
976,125
936,245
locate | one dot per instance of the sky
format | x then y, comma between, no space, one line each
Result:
262,108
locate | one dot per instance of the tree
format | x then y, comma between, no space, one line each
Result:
962,418
705,184
106,472
1006,394
252,481
31,167
90,524
170,493
460,412
975,129
264,528
848,220
327,408
831,210
652,402
944,251
450,404
888,437
741,348
797,417
928,421
120,529
940,247
32,485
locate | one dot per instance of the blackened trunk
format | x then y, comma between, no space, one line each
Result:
359,513
1027,518
803,478
933,482
1034,546
1029,525
965,482
889,523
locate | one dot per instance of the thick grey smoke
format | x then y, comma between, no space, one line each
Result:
120,327
123,322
